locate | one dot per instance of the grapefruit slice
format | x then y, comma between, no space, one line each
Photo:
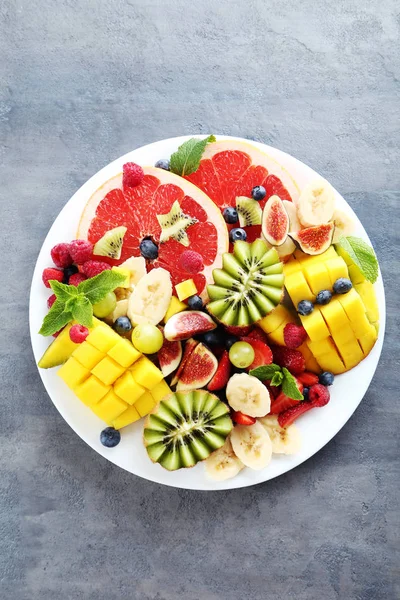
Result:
137,209
231,168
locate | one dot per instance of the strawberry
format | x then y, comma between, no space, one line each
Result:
293,360
318,396
307,378
238,331
222,373
274,390
262,353
258,334
281,403
242,419
294,335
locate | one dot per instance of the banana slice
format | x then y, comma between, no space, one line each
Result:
247,394
291,209
316,203
137,267
285,440
252,445
150,299
344,225
223,463
121,310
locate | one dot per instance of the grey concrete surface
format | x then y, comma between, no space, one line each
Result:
82,82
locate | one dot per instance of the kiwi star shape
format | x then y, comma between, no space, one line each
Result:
174,224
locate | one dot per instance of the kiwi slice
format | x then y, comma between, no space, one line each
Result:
111,243
174,225
185,428
249,285
249,211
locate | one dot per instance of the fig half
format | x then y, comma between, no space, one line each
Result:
169,356
314,240
275,221
198,370
184,325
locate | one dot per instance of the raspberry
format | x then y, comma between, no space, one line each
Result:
51,273
77,278
293,360
258,334
50,300
294,335
61,256
319,395
132,175
78,333
91,268
80,251
191,262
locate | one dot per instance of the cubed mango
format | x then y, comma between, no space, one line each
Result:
130,415
336,268
368,340
128,389
145,373
73,373
160,390
351,354
292,266
298,288
145,404
355,275
315,325
332,362
124,353
91,391
103,338
317,277
107,370
88,355
367,293
334,315
175,306
275,318
185,289
110,407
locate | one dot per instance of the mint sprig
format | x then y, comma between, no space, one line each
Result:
289,386
76,303
362,255
265,372
186,159
278,376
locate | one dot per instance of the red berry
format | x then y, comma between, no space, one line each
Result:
318,395
57,333
293,360
91,268
294,335
274,390
132,175
78,333
191,261
50,300
242,419
52,273
262,353
77,278
222,373
258,334
238,331
287,417
308,379
61,256
281,403
80,251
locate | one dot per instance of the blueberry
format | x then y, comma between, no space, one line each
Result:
305,393
342,285
323,297
230,340
230,215
195,302
237,234
163,163
213,338
122,325
258,192
326,378
305,307
110,437
68,271
148,249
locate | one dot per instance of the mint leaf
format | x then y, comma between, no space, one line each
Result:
82,311
63,291
187,158
265,372
289,386
96,288
57,317
362,255
277,379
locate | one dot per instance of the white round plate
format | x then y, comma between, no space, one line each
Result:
317,427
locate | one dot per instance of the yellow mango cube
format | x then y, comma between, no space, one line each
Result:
109,408
160,390
130,415
343,335
355,311
334,315
321,347
276,336
175,306
309,259
275,318
355,275
336,268
367,293
145,373
292,266
351,354
298,288
103,338
73,373
91,391
126,273
145,404
332,362
124,353
311,362
317,277
128,389
367,341
315,325
185,289
107,370
88,355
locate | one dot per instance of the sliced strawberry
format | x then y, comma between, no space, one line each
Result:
281,403
307,379
242,419
274,390
262,353
318,396
222,373
258,334
236,330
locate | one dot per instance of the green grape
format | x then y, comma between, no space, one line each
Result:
106,306
241,355
147,338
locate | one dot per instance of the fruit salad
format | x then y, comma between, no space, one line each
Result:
212,302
